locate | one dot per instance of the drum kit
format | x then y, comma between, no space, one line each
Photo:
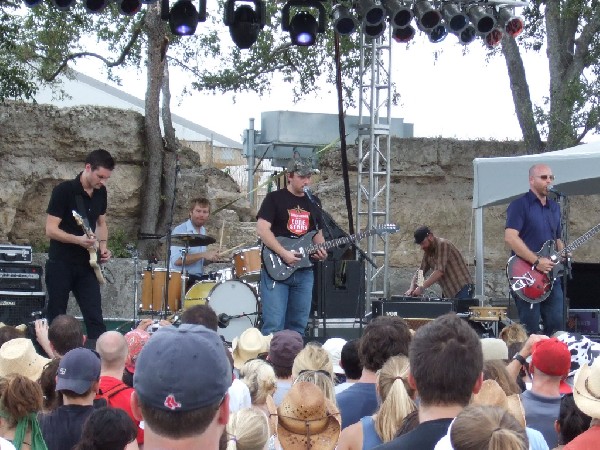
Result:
232,291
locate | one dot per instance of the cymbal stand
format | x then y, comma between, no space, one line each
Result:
133,251
184,277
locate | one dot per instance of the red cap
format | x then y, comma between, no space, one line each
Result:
552,357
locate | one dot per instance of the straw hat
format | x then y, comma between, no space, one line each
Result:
248,346
306,415
586,390
492,394
19,356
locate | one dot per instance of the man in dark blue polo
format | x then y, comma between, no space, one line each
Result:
531,220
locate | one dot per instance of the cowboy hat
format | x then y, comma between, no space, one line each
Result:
586,389
248,346
493,395
19,356
306,419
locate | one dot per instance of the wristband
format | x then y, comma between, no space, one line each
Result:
519,357
537,261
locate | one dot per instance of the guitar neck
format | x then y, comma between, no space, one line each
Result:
580,240
339,241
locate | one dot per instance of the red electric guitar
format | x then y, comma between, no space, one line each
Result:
530,284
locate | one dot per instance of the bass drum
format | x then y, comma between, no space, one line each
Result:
234,298
198,293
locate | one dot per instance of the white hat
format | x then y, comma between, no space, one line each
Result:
249,345
19,356
586,390
334,348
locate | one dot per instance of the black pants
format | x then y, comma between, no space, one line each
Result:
62,278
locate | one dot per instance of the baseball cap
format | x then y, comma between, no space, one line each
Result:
302,167
182,369
285,345
552,357
78,370
421,233
334,348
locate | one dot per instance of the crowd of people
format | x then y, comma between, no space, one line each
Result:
182,387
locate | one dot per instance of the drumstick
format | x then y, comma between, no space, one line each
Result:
232,249
221,239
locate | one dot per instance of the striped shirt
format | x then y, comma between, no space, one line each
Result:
445,257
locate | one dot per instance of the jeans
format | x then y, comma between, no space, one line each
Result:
550,311
286,304
62,278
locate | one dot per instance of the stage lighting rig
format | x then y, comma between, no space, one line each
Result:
481,19
400,14
427,16
303,27
95,6
493,38
63,5
244,22
343,21
403,35
371,12
183,17
511,24
129,7
455,19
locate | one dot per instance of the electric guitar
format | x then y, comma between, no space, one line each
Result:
530,284
304,247
94,251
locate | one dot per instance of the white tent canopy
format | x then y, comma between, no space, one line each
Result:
498,181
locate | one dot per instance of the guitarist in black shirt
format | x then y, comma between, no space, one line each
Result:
288,213
73,253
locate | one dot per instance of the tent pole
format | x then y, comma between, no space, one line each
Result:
479,259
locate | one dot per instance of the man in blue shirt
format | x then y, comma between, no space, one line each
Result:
196,257
531,220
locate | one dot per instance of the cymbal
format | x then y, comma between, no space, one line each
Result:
193,240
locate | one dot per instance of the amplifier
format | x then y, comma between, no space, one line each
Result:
584,321
20,277
15,254
20,307
459,305
411,309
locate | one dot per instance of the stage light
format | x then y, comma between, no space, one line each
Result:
510,23
454,17
467,35
373,31
95,6
494,37
183,18
32,3
371,12
399,14
343,21
427,17
438,34
404,34
303,27
129,7
482,21
244,22
63,5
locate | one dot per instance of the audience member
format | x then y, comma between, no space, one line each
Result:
334,348
19,356
395,404
307,420
383,337
136,339
495,369
285,345
550,362
350,363
249,345
571,421
260,378
181,380
312,357
113,350
515,332
52,399
586,393
445,368
8,332
77,380
21,400
493,348
247,429
239,394
487,427
108,429
63,334
201,315
322,379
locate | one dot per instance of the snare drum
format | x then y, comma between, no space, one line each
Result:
154,284
247,264
230,297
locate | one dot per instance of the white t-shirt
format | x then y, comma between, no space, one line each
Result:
5,445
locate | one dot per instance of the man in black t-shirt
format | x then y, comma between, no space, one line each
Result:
68,268
288,213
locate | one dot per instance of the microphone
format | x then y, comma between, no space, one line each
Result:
554,191
223,320
309,194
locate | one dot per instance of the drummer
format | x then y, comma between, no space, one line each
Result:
197,257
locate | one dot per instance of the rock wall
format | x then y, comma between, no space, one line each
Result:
431,183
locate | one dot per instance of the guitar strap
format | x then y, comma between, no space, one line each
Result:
82,211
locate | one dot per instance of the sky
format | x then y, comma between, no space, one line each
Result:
444,91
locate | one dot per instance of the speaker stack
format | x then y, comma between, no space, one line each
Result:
21,294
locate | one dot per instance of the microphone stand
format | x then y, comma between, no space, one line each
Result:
163,312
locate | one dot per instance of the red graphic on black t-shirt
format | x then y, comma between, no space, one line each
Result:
298,221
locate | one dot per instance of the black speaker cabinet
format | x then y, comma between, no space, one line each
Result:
411,309
339,289
583,290
19,307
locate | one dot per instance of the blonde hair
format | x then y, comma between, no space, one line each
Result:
487,427
515,332
260,378
312,357
247,429
322,380
395,394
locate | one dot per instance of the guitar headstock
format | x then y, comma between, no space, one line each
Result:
386,228
77,218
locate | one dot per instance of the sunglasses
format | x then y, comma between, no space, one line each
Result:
546,177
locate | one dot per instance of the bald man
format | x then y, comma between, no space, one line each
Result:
531,220
113,350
